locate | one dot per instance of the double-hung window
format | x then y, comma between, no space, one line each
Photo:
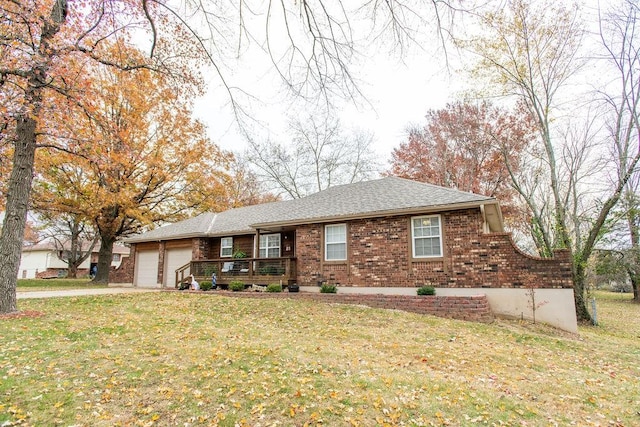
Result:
270,246
426,234
335,242
226,247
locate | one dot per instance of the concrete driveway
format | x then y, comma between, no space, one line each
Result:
81,292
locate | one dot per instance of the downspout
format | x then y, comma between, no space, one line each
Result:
485,224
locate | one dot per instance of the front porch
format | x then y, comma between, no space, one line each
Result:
248,270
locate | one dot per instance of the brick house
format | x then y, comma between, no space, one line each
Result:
386,236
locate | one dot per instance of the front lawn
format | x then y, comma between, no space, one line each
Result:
52,284
194,359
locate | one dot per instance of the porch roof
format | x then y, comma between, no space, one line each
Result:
381,197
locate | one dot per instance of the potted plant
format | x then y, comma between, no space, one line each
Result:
238,253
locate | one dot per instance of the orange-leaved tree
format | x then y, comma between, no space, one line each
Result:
464,146
132,156
39,42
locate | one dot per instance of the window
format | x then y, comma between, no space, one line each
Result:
270,246
427,236
116,258
335,242
226,247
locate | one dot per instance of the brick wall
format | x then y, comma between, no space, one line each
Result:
124,273
472,308
201,248
379,254
53,273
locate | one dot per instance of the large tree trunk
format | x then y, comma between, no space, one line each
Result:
74,251
21,176
582,313
105,255
15,218
635,285
579,281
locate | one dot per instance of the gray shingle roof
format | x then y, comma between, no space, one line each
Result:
379,197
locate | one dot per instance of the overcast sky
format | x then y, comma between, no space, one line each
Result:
399,92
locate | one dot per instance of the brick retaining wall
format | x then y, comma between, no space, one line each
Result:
471,308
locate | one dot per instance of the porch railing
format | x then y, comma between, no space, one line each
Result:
248,270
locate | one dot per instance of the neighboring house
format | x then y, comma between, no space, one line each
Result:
45,260
384,236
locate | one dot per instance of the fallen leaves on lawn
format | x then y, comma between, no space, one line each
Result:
187,359
30,314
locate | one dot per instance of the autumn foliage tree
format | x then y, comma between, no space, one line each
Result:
39,42
243,187
464,146
134,157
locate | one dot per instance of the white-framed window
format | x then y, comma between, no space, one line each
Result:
116,258
226,247
269,246
335,242
426,234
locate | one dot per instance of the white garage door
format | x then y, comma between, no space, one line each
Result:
146,273
175,258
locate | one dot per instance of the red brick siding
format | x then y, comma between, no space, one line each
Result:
379,254
472,308
124,273
53,272
200,248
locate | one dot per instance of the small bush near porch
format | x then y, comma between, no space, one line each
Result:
205,360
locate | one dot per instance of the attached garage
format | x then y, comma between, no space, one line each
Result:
146,269
174,258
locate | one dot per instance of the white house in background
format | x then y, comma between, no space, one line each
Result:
44,260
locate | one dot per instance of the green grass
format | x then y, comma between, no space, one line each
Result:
196,359
52,284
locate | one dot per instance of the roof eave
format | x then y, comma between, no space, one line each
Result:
188,236
140,239
379,214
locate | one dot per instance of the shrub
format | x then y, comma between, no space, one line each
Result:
328,289
206,285
274,287
426,290
236,286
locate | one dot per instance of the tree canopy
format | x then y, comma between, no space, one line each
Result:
127,156
320,154
464,146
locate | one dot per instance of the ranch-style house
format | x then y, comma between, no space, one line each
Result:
385,236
